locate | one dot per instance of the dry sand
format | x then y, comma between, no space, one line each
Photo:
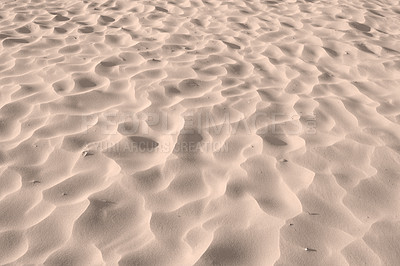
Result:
199,132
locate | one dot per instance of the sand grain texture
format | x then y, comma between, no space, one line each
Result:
199,132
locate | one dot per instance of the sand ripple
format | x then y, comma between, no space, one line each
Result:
199,132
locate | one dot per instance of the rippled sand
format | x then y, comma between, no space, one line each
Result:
199,132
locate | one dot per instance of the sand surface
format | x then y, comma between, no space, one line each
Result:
199,132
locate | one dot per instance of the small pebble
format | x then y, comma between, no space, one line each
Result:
310,249
86,153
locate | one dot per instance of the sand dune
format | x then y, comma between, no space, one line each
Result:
199,132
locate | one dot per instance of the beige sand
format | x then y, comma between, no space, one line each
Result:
199,132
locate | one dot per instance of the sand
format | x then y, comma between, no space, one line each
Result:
199,132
